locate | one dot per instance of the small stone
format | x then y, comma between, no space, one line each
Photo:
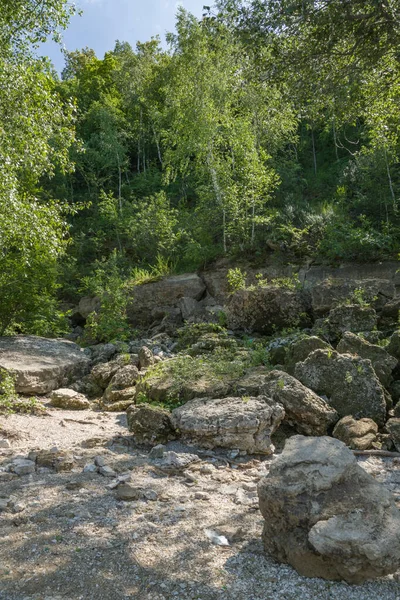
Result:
90,468
201,496
74,485
150,495
23,466
127,492
107,471
17,507
99,461
157,451
4,504
4,443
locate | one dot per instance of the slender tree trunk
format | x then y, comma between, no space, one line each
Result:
390,182
335,138
253,214
218,194
119,185
313,148
157,144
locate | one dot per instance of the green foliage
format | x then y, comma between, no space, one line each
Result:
236,280
110,322
162,268
10,402
190,333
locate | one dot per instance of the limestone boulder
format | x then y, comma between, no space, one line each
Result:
326,516
166,293
348,382
382,362
353,318
41,365
124,379
101,353
150,424
299,349
304,410
244,423
393,428
265,309
356,434
394,345
102,373
146,357
162,383
68,399
331,292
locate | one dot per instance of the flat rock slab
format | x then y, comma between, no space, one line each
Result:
40,364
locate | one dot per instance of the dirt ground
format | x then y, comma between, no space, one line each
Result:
65,534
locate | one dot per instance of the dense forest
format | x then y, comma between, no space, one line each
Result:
267,126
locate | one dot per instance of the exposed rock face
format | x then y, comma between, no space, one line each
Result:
382,362
326,516
102,373
41,365
358,435
331,292
150,424
123,380
352,318
349,382
69,399
164,293
264,309
393,427
244,423
300,349
306,411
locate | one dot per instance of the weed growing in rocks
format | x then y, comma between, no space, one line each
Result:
10,402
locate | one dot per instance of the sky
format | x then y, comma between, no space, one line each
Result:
105,21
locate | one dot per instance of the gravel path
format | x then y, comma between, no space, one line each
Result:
66,535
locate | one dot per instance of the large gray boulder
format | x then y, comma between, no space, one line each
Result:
40,364
265,309
245,423
349,383
326,516
152,301
382,362
305,411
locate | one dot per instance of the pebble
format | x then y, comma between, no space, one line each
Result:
4,443
107,471
90,468
22,466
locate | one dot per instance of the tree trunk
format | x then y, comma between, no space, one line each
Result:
218,194
313,148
